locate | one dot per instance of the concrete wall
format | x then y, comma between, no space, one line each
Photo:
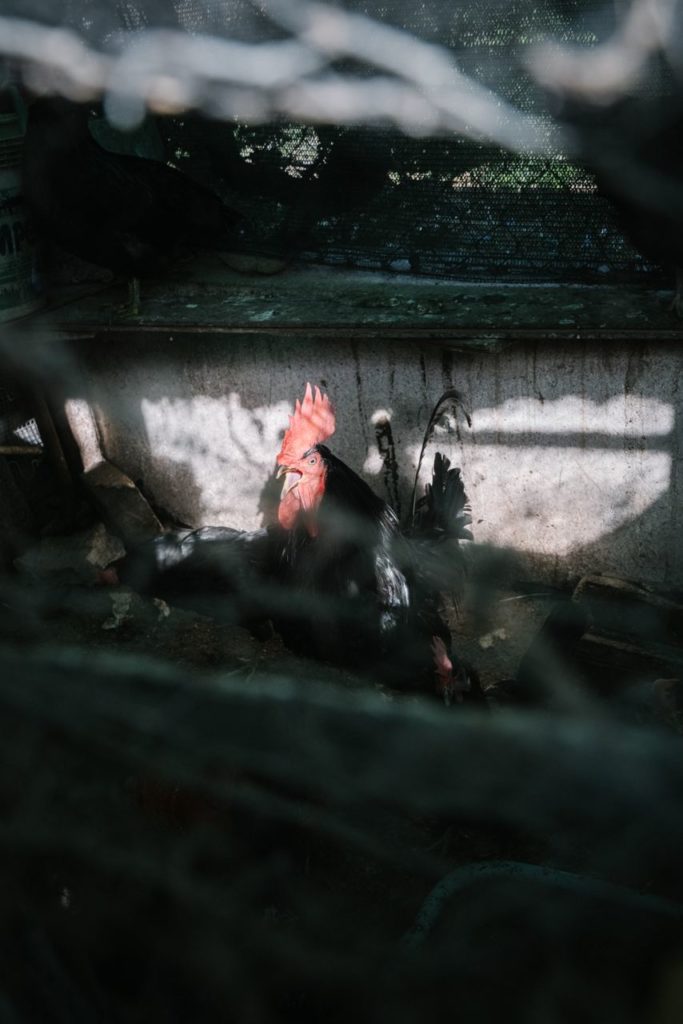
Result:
571,461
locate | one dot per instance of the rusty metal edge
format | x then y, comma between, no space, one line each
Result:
483,337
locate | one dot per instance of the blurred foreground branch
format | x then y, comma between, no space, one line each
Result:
612,70
413,84
618,786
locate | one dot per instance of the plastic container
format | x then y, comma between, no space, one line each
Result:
19,289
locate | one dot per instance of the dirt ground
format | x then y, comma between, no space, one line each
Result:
116,618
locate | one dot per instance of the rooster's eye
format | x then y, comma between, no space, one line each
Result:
312,462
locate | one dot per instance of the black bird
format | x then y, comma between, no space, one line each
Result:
345,546
125,213
633,146
640,170
335,575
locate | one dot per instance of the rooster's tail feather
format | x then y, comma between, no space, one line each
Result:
444,510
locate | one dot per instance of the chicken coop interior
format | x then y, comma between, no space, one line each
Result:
341,582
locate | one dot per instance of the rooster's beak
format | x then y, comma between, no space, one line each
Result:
292,477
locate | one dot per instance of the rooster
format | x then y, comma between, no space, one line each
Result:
337,543
334,574
376,591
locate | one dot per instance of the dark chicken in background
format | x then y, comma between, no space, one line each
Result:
333,174
128,214
335,575
633,145
550,673
351,171
333,188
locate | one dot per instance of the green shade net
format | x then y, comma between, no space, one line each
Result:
372,197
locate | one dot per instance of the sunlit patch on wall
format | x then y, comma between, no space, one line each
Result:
622,415
551,477
553,502
229,449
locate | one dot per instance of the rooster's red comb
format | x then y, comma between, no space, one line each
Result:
312,423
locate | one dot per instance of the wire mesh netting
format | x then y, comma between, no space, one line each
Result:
18,427
373,200
373,197
246,776
203,822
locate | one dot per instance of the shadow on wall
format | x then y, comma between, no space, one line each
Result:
571,461
185,482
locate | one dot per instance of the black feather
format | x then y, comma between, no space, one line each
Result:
214,571
444,509
456,400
